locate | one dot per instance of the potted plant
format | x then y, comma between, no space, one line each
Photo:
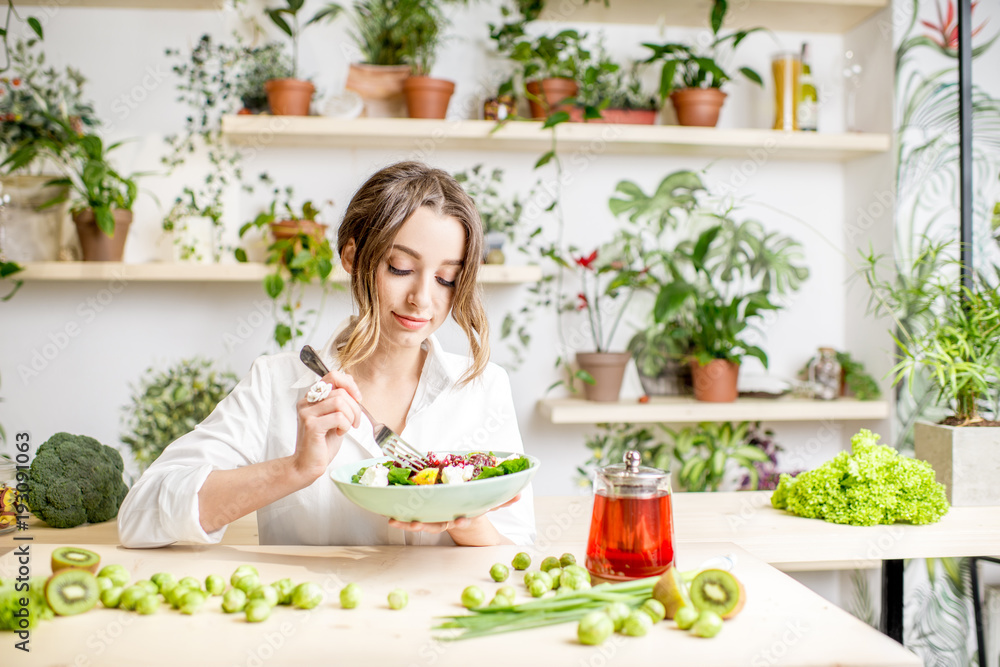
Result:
610,94
659,351
607,274
956,350
299,253
426,97
501,215
170,403
692,79
257,66
550,67
39,106
102,198
291,96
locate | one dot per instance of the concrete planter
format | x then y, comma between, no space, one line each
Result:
965,459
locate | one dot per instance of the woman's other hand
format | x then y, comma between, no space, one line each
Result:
466,531
323,424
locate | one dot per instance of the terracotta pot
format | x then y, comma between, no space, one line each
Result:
427,97
608,370
27,234
95,244
552,91
381,87
289,97
617,116
715,382
286,229
698,106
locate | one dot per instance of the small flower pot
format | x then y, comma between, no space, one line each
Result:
287,229
381,88
715,382
966,459
95,244
698,107
499,108
427,97
289,97
617,116
608,371
552,91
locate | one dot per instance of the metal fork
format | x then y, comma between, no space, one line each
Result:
387,439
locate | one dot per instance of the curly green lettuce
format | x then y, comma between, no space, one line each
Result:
872,484
11,611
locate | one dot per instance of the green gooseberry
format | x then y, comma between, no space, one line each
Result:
242,571
234,600
472,597
131,595
248,582
655,609
190,582
111,597
164,581
306,596
595,628
215,584
150,587
567,559
104,583
398,598
685,617
265,593
507,591
521,561
257,611
148,605
618,612
548,563
637,624
707,625
499,572
350,596
116,573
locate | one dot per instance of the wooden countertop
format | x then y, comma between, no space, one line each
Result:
747,519
783,623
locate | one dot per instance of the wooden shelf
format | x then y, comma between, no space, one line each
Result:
683,409
127,4
490,274
406,134
832,16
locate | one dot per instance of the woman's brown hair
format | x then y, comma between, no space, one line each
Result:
376,212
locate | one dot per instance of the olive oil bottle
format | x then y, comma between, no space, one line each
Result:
808,106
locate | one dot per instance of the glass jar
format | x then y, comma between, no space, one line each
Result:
786,67
632,527
824,374
8,496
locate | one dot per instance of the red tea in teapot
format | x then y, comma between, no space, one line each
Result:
630,537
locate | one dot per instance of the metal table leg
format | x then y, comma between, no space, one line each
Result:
977,607
892,599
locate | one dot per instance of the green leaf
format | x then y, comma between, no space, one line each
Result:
282,334
555,119
752,453
400,476
544,160
105,219
274,284
667,75
585,377
36,26
295,5
719,9
670,299
241,255
752,75
275,16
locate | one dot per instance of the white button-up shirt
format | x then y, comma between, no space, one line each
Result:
258,422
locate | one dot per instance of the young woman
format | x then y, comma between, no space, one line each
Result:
412,242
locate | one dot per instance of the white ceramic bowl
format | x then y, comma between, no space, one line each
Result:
431,503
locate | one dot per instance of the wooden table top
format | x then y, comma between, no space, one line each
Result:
747,519
783,623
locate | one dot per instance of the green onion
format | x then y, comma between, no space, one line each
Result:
563,608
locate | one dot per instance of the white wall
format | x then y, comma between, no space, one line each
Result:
121,51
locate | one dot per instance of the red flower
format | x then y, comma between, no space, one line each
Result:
583,301
587,262
946,28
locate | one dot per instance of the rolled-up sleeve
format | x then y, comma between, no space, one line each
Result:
516,522
162,507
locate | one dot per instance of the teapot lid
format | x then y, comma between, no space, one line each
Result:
631,473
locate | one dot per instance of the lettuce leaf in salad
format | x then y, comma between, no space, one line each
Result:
399,476
504,468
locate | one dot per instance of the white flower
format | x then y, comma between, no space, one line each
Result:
453,475
375,475
319,391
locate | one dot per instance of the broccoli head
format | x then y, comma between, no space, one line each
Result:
74,479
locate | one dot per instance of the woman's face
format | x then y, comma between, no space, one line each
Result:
416,281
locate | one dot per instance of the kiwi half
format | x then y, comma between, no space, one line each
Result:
672,592
71,591
718,591
81,559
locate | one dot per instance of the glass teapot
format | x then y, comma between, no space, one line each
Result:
632,527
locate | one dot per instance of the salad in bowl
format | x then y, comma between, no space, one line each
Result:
450,484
